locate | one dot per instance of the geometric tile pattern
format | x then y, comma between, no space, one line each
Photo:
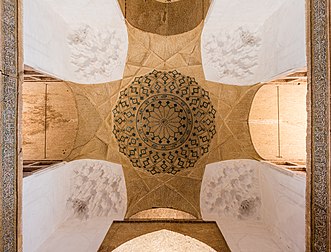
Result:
164,122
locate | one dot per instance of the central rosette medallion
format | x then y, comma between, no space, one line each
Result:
164,122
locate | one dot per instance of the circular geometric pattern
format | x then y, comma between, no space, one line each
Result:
164,122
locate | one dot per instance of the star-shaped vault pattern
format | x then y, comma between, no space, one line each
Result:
164,122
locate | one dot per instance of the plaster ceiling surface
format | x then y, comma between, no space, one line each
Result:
255,11
79,41
96,139
247,42
88,11
241,11
243,42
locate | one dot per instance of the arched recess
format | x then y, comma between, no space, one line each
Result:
165,239
163,213
278,120
164,17
49,119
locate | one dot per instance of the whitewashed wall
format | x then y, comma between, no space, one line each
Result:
246,42
44,36
283,41
257,205
243,42
45,197
80,41
284,204
77,192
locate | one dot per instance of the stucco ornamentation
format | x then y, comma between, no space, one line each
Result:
232,190
96,190
96,54
233,55
164,122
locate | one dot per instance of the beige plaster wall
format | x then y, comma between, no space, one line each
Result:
164,239
49,120
162,213
148,51
129,230
95,139
278,122
233,137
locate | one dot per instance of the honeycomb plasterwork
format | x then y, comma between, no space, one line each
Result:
97,190
234,194
105,41
232,55
164,122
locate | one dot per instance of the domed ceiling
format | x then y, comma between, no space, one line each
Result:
164,122
167,99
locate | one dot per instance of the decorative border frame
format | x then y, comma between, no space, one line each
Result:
11,78
318,217
319,161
